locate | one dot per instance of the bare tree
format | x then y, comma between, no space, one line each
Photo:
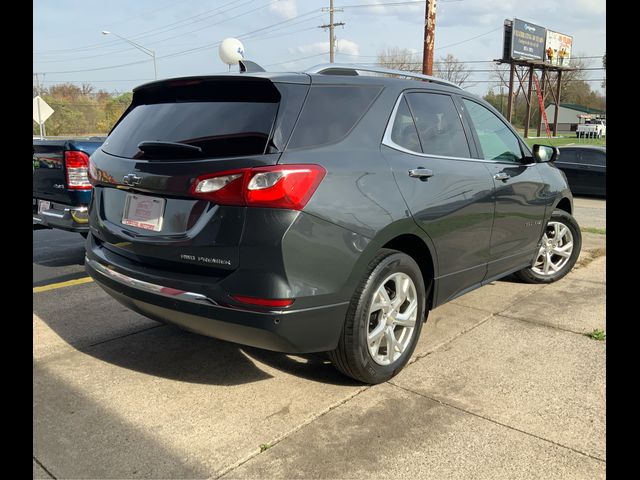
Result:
399,59
451,69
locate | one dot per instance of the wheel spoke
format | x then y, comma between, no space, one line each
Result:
547,263
377,332
375,347
405,319
391,343
562,232
564,251
381,300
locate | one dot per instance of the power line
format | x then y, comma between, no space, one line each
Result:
184,52
142,34
469,39
391,4
297,59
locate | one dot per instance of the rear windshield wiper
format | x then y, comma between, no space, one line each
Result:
158,147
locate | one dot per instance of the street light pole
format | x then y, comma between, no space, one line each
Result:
148,51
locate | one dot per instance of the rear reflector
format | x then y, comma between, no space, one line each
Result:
77,166
263,302
279,186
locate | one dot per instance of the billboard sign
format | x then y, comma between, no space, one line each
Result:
528,41
558,49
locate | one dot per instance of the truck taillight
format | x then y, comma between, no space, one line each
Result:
77,166
279,186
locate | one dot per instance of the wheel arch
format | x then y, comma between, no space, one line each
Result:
416,248
565,204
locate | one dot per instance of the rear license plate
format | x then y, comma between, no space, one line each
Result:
143,212
43,205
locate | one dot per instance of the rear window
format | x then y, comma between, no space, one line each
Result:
330,112
222,118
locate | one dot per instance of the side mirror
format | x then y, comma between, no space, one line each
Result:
545,153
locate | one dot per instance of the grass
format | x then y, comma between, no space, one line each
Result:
597,334
567,140
599,231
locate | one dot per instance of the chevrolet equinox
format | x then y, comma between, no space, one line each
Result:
322,211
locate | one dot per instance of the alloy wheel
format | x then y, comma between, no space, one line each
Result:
555,249
392,318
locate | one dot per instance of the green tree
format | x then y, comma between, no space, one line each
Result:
81,111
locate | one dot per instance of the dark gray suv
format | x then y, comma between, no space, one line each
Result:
324,211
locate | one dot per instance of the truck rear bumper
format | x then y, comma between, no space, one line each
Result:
64,217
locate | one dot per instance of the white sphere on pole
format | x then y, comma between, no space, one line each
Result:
231,51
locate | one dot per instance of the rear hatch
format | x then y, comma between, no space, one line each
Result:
53,162
174,133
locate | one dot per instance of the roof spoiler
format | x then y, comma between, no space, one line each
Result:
247,66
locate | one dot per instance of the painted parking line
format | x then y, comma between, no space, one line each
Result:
69,283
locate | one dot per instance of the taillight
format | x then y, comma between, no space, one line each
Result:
77,166
280,186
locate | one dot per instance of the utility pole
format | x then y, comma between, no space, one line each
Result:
330,26
38,86
429,36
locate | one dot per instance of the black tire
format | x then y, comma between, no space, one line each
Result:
529,275
352,356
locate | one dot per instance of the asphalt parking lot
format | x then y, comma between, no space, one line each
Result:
504,383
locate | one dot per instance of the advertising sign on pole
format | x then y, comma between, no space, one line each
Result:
558,48
528,41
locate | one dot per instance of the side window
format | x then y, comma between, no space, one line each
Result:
567,155
496,140
589,157
330,112
404,131
439,126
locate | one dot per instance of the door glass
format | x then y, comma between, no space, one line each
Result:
593,158
496,140
439,125
567,155
404,131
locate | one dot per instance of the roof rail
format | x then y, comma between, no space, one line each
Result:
347,69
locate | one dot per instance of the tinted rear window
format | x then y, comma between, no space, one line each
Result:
223,119
330,112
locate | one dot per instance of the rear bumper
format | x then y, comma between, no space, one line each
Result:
306,330
64,217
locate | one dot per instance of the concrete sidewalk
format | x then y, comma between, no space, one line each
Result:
503,384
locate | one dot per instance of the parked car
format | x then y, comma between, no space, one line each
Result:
592,128
61,188
325,211
585,168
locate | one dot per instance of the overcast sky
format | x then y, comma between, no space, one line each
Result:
282,34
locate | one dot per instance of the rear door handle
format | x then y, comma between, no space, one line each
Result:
421,173
502,176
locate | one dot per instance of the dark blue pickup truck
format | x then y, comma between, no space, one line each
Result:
61,188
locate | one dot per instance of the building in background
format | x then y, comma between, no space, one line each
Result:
570,115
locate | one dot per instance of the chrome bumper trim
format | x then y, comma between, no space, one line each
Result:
148,287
